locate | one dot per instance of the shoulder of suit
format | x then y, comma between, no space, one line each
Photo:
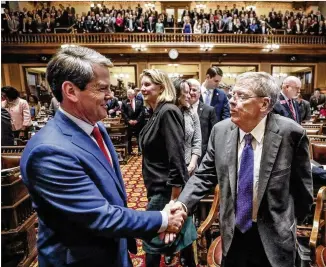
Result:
170,108
286,124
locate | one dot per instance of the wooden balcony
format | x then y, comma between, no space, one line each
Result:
157,39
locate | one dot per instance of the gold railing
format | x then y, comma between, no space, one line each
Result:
117,38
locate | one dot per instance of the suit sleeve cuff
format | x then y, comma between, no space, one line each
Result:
165,221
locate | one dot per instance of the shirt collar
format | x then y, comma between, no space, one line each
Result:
257,132
203,89
285,97
86,127
195,105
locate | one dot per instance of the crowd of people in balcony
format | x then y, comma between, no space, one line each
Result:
110,20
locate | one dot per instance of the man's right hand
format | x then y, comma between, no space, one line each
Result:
175,219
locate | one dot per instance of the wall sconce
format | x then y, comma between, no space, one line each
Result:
206,47
139,47
92,5
121,76
249,7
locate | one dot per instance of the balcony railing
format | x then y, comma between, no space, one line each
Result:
118,38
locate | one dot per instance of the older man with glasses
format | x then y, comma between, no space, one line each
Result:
260,161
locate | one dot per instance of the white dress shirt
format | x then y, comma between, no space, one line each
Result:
88,129
203,90
195,106
257,145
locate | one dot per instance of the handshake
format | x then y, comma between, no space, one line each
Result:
176,218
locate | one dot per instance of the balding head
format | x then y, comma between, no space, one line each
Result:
291,87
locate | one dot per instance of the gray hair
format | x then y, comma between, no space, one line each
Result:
261,83
194,82
131,91
290,80
73,64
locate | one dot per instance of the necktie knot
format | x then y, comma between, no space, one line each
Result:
96,133
248,139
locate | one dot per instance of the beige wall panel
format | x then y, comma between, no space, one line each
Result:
266,67
321,76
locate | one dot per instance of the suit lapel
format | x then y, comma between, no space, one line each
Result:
272,142
232,152
286,105
84,141
200,109
115,160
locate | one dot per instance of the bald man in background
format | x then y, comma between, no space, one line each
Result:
287,105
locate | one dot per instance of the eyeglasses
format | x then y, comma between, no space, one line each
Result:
242,98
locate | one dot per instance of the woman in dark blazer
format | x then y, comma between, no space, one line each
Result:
164,167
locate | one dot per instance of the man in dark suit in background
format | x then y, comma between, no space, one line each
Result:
304,108
133,114
317,100
206,114
287,105
262,194
113,105
214,97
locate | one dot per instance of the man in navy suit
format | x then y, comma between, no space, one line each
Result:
72,173
214,97
287,105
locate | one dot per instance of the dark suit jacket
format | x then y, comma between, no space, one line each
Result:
305,111
113,104
130,114
282,108
80,199
220,103
207,119
7,136
284,188
162,144
314,102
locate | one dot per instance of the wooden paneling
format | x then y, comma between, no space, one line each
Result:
321,77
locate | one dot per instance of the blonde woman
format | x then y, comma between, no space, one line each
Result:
164,167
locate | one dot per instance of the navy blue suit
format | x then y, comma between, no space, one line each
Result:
282,108
80,199
220,103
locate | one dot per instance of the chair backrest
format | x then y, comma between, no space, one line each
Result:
315,139
12,150
9,161
317,240
316,126
319,153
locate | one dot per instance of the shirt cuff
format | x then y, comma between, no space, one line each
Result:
184,207
165,221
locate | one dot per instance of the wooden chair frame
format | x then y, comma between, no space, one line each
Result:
315,139
317,240
212,216
318,126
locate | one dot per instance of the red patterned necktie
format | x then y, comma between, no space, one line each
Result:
292,109
99,139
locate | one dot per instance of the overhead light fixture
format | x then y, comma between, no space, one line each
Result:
271,47
68,45
206,47
200,6
150,5
139,47
175,75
